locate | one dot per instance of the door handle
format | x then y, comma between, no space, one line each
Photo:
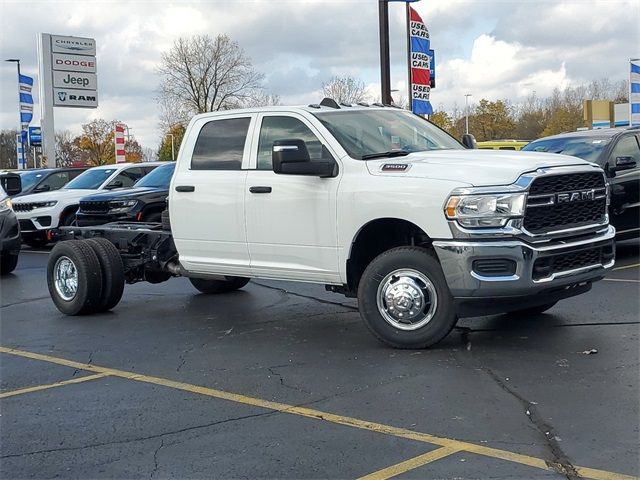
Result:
185,188
260,189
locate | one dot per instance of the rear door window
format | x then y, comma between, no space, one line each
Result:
220,145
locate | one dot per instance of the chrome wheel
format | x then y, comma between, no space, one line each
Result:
65,278
407,299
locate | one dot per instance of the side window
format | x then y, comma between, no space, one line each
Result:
627,146
128,177
54,181
284,128
74,173
220,145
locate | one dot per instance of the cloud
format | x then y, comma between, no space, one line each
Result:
493,48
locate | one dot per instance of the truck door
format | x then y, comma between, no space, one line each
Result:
207,196
625,187
291,219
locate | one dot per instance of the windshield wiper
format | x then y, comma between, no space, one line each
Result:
390,153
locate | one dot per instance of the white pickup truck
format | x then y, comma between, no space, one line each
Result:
371,201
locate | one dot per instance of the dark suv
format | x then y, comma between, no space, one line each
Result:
144,202
46,179
9,233
617,151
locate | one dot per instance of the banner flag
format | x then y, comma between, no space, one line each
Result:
634,92
25,84
421,68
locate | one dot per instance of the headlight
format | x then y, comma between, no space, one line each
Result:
52,203
121,206
5,204
477,211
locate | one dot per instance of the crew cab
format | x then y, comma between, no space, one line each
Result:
40,214
371,201
144,202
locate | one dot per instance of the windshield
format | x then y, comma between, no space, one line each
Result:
160,177
365,134
29,179
90,180
588,148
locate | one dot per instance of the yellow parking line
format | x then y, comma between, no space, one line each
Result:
327,417
624,267
52,385
631,280
410,464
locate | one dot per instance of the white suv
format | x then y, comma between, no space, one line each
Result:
40,213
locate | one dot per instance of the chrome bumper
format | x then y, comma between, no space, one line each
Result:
457,257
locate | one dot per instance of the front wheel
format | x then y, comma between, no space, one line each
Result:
404,299
8,263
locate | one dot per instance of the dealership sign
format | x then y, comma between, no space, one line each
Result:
73,45
79,80
74,98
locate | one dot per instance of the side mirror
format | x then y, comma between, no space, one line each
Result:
42,188
291,157
11,183
469,141
114,184
622,163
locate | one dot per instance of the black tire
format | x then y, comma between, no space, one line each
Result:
8,263
89,277
219,286
35,242
417,259
67,219
153,217
112,273
532,311
166,222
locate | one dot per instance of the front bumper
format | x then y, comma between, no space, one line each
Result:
543,273
92,220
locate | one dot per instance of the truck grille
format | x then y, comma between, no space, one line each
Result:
560,202
94,207
565,262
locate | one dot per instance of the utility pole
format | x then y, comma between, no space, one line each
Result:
466,112
385,73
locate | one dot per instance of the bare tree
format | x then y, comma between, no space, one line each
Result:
67,151
345,89
204,74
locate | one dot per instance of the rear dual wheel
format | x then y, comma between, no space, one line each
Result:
85,276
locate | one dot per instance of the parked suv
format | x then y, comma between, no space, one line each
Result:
41,213
9,234
142,203
46,179
373,202
617,151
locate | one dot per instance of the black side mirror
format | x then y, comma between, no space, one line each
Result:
11,183
291,157
469,141
622,163
42,188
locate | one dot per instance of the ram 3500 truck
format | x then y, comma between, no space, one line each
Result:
371,201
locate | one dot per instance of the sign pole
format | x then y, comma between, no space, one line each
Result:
46,100
385,73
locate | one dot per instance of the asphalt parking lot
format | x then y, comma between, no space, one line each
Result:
282,380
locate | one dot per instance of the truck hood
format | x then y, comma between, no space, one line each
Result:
477,168
62,195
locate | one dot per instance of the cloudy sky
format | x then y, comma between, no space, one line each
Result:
489,48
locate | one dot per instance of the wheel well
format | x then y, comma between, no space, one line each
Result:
68,210
151,209
376,237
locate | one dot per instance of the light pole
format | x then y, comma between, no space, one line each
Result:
19,160
173,154
466,112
